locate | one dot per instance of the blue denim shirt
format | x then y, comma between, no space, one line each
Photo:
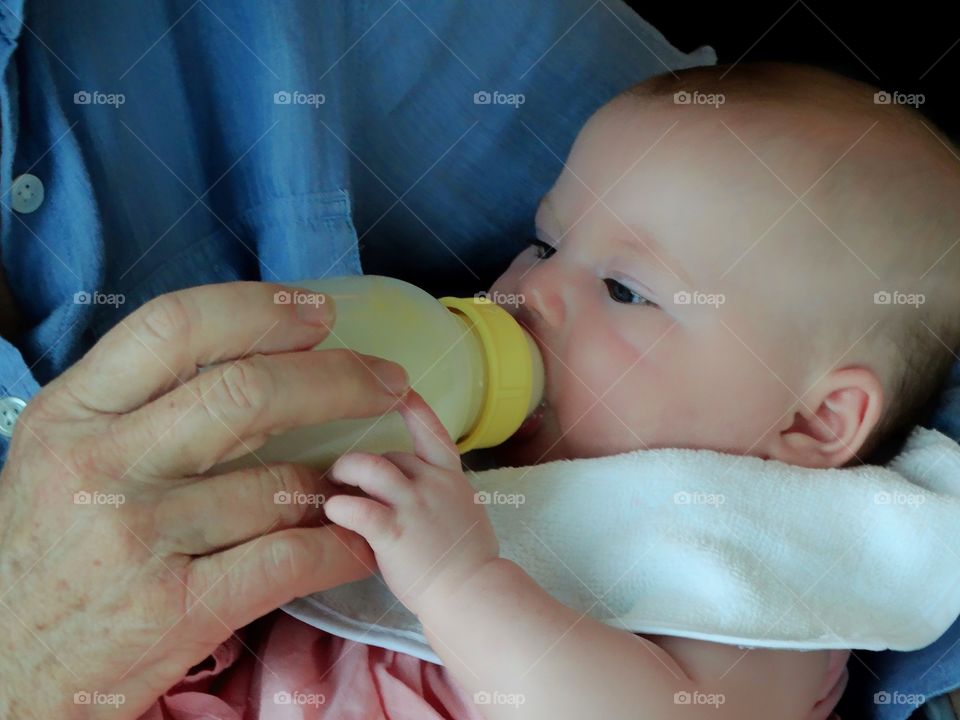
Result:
183,142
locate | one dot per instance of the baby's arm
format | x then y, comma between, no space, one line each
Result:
506,640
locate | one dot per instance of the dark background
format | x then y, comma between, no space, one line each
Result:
909,47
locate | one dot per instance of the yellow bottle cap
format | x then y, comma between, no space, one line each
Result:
514,373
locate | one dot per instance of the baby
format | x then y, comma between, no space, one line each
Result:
757,260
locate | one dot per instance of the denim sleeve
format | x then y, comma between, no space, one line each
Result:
17,386
946,417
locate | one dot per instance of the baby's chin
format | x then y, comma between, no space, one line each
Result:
542,445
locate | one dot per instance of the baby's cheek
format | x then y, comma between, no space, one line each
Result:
635,391
739,398
601,359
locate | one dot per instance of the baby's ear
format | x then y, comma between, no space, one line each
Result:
835,419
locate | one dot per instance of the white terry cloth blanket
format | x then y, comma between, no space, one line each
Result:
730,549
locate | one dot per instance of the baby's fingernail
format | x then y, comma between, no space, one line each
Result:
315,308
393,376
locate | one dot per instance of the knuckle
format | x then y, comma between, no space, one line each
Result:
353,372
244,385
283,484
386,529
383,470
286,557
391,532
402,460
371,464
419,503
165,319
383,464
94,459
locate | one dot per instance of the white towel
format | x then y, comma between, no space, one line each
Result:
730,549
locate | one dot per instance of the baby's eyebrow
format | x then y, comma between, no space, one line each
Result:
541,208
664,261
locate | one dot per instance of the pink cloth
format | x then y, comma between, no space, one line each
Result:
281,668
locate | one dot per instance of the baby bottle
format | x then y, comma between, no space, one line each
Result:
477,368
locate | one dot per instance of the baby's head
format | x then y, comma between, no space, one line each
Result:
766,269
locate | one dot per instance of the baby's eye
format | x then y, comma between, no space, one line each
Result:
622,294
543,250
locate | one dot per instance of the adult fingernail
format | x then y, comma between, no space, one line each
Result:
315,308
393,376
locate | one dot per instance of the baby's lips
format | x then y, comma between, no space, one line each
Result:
532,423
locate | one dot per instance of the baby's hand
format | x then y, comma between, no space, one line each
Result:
426,530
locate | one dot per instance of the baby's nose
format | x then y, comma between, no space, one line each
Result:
537,317
542,289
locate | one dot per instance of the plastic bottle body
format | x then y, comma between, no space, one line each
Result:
443,355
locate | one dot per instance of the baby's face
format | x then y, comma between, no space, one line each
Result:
662,305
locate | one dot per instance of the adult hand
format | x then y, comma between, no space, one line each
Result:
123,561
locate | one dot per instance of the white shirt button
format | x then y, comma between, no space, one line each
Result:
10,409
27,193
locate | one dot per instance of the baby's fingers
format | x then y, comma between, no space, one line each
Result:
431,441
366,517
375,475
